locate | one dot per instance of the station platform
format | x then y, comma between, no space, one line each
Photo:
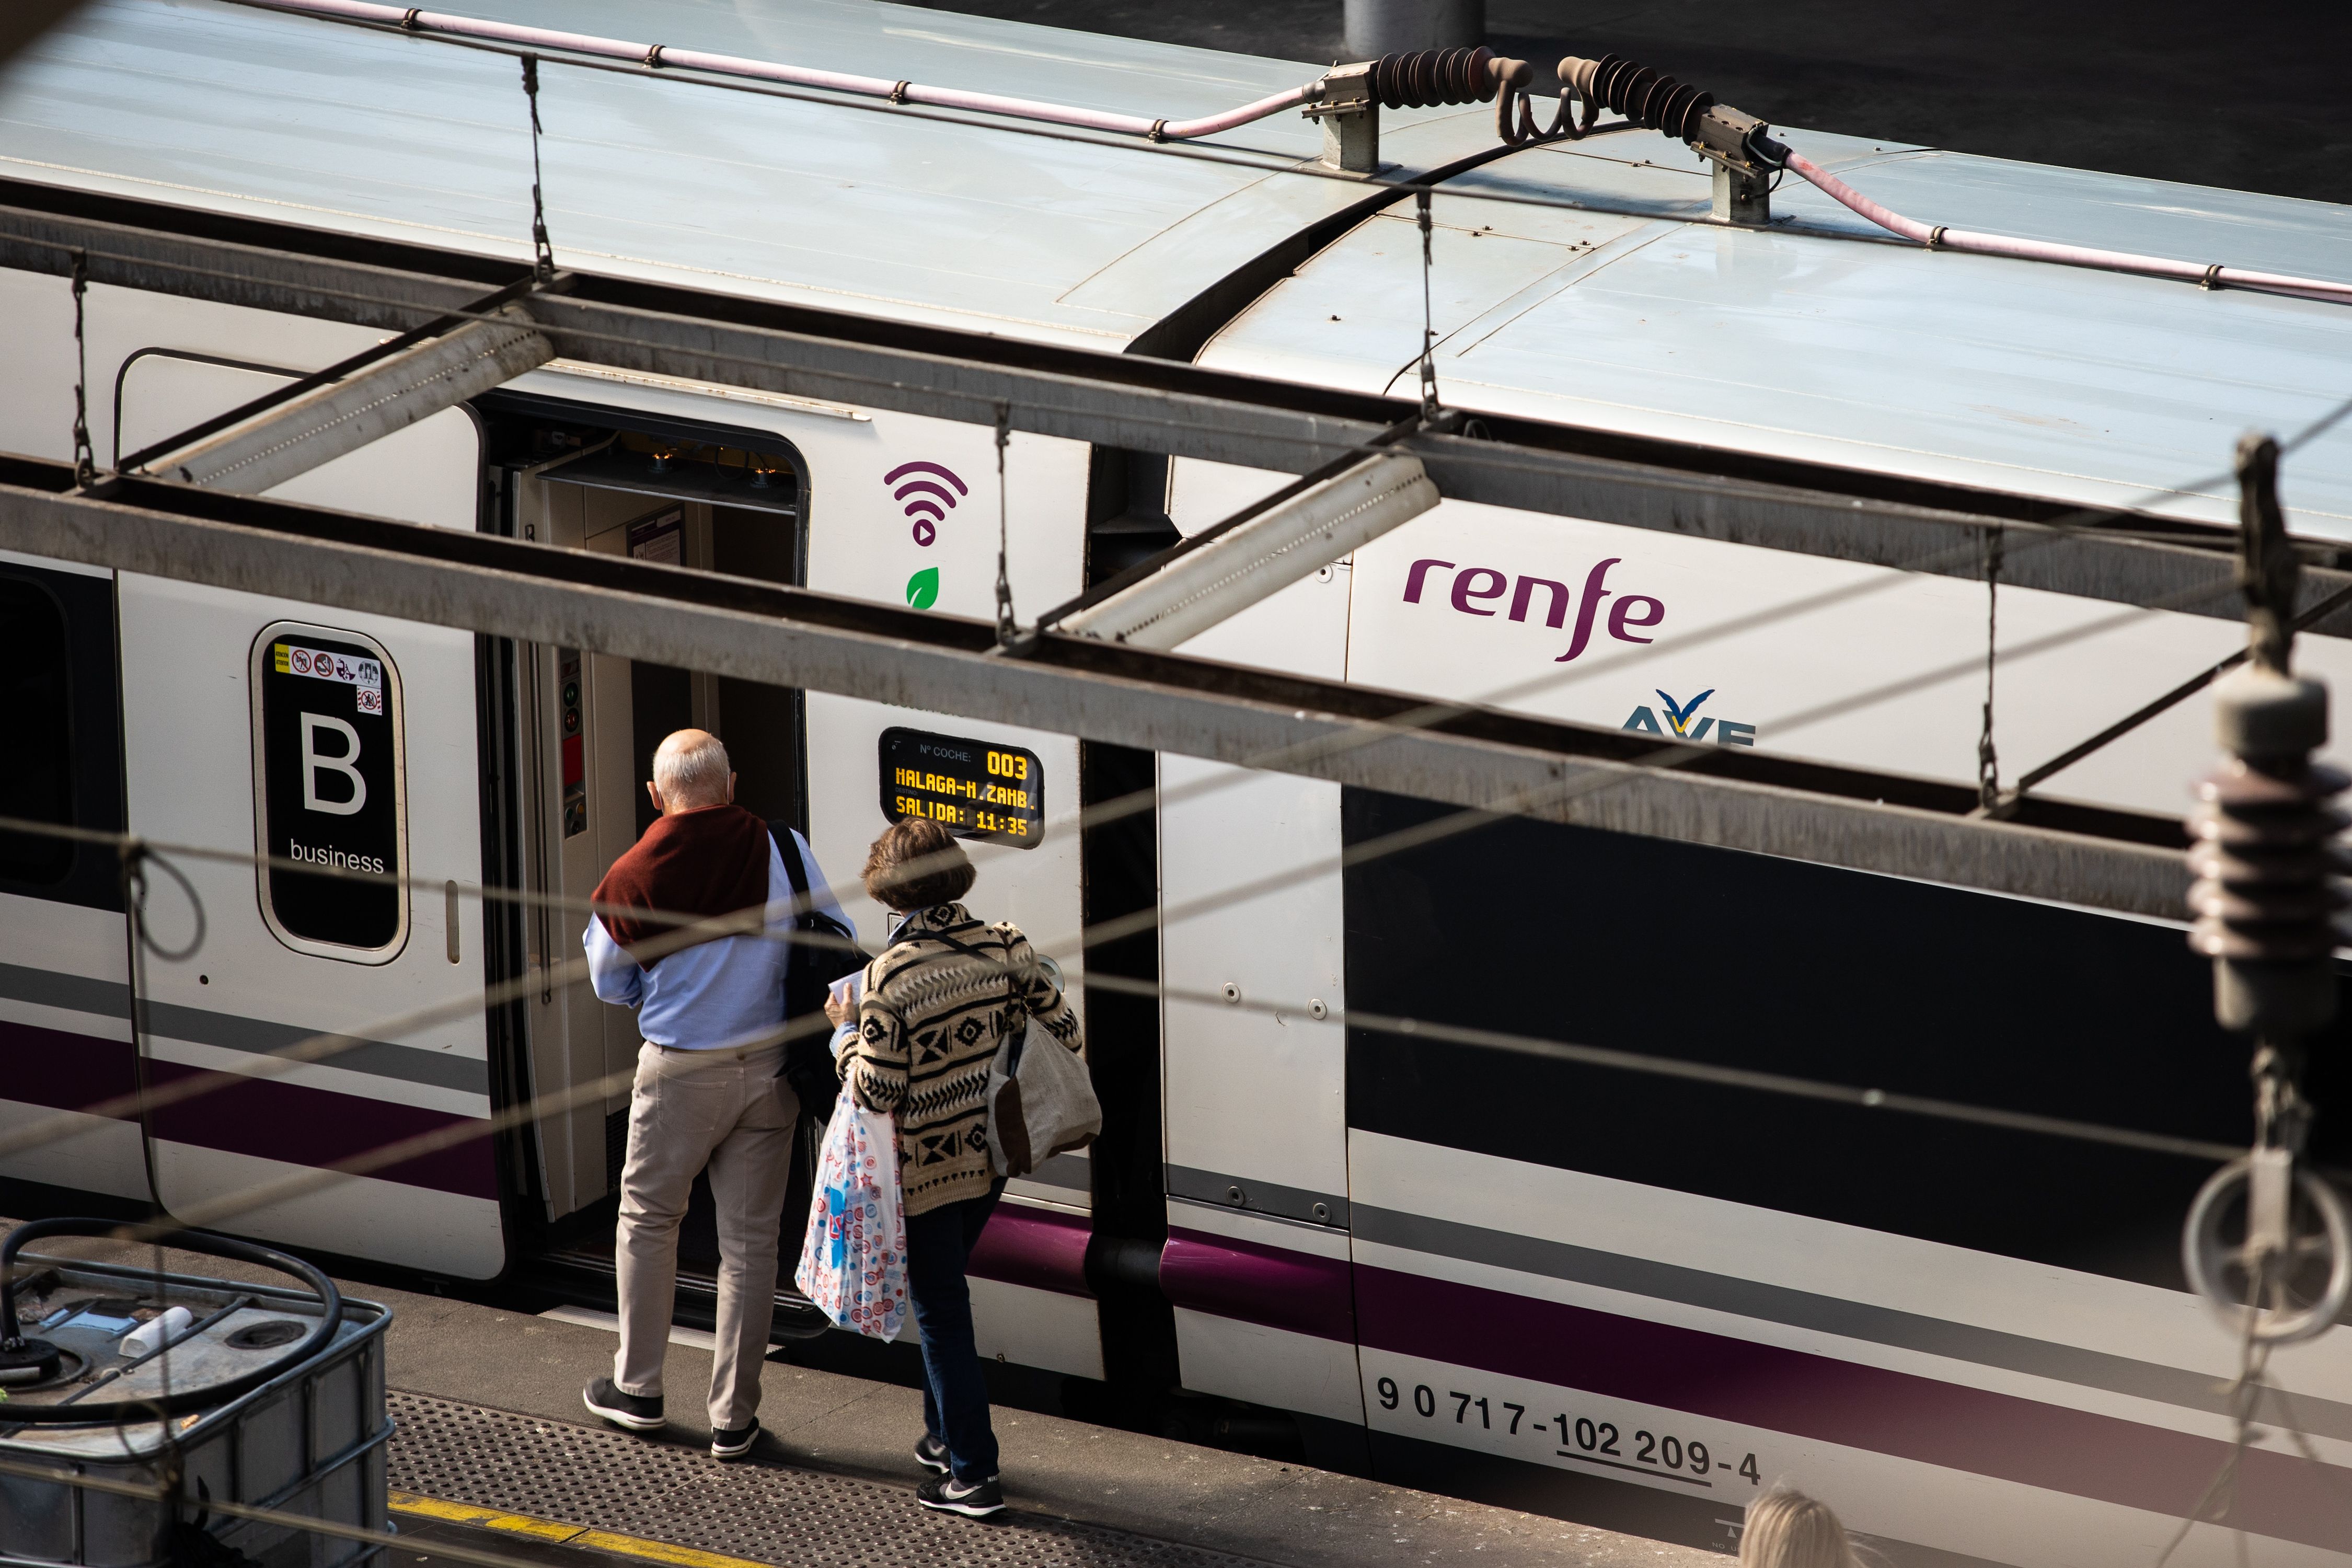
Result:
494,1453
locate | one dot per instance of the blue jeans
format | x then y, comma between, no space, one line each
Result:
955,1396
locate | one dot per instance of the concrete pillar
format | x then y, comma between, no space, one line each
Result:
1377,27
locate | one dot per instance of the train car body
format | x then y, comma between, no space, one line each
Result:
1618,1298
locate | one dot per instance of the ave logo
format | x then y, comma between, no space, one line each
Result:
1683,720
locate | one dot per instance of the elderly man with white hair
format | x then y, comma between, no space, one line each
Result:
707,1090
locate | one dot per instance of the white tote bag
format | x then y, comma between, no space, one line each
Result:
1041,1098
854,1259
1041,1103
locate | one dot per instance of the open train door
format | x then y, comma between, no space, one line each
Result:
647,487
328,737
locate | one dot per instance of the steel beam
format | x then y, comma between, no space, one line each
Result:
1282,545
1155,406
786,636
258,454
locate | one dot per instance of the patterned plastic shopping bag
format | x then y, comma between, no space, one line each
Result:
854,1262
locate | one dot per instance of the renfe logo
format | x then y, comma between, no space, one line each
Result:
1474,585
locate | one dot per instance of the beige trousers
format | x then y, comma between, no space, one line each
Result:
730,1112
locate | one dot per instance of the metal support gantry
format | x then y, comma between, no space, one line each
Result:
1135,401
1510,764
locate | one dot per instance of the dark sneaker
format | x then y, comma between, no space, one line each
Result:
635,1412
949,1495
931,1453
734,1442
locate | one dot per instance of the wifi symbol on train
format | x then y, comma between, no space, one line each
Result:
926,501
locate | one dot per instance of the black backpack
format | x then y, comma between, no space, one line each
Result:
808,974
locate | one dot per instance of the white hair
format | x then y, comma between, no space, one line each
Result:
690,770
1786,1528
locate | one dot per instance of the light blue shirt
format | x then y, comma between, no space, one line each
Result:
715,993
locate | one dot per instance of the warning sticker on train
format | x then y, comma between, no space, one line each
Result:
975,789
320,664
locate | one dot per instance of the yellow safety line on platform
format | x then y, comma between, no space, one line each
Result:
555,1532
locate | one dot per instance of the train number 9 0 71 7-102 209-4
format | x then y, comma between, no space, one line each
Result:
1583,1439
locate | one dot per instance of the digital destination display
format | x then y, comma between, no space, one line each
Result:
975,789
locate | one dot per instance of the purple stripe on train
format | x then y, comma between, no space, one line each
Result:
1257,1284
1921,1418
62,1070
271,1120
1045,1249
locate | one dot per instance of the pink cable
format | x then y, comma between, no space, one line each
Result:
420,21
1837,190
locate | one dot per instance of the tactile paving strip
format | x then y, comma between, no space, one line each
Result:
607,1480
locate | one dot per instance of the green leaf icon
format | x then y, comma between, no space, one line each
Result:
923,588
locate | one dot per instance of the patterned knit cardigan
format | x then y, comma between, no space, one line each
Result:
928,1030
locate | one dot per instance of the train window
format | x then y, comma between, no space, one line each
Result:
328,783
36,694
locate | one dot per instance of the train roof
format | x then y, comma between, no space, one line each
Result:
1570,281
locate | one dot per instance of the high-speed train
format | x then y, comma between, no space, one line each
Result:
1619,1298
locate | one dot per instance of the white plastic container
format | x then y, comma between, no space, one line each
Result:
154,1334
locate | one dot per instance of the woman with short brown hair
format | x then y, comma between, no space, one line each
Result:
939,1002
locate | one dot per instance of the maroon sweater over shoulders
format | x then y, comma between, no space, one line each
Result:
704,863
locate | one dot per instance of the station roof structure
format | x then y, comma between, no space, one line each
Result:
1572,282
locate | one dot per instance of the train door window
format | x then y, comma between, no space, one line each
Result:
328,785
36,695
